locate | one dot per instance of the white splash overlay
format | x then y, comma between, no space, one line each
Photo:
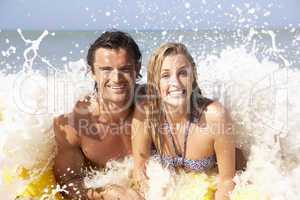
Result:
261,96
30,53
28,103
262,99
114,173
11,50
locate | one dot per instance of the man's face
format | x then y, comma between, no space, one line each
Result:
115,74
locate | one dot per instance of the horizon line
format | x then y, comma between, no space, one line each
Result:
151,30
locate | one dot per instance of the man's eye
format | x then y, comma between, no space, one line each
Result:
126,70
106,69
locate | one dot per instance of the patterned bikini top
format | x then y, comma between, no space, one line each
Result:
181,161
189,164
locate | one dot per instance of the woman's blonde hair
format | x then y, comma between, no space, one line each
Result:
154,109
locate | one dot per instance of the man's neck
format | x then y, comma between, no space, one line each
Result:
110,112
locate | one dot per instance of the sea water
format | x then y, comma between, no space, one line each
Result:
253,72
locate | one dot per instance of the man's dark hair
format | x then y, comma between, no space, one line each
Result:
115,40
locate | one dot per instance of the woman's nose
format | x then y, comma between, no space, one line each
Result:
174,81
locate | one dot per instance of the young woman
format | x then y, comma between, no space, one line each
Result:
187,130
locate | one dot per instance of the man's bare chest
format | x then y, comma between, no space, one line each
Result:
109,147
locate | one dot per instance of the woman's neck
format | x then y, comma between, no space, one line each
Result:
176,115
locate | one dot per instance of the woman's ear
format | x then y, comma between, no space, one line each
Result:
194,82
194,79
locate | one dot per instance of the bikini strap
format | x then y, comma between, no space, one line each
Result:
191,119
186,133
171,136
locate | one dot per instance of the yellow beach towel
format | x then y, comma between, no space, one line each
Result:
202,186
44,185
195,186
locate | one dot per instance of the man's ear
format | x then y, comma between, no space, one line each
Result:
138,69
93,76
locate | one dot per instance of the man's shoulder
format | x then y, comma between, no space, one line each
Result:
65,133
62,120
81,107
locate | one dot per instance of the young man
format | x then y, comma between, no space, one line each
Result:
98,129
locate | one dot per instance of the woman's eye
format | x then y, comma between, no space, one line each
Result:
183,72
165,75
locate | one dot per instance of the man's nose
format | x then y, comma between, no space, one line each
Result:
116,75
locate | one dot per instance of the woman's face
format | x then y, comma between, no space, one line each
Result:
176,79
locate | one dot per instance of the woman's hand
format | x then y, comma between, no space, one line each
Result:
223,190
140,182
141,148
220,196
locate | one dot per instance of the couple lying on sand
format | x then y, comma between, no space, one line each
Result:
168,119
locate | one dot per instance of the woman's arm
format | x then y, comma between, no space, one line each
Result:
141,145
220,126
225,151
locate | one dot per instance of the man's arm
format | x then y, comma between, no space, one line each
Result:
69,161
69,168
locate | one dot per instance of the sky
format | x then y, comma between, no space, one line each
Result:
146,15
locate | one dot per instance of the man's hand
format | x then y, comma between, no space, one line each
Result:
114,192
95,194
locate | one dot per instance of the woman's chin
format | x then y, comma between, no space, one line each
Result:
176,104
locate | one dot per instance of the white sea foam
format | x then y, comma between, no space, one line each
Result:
262,98
29,101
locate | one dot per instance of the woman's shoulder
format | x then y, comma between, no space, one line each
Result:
210,113
218,120
216,111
